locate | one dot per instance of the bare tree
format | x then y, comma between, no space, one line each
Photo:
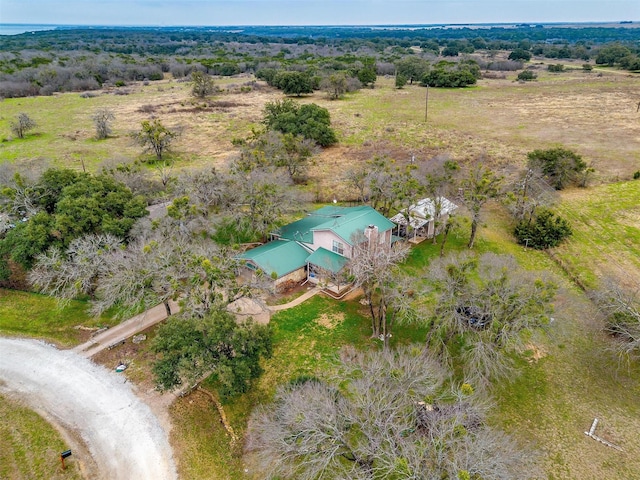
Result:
20,190
438,183
372,421
22,124
621,308
76,271
102,119
374,268
529,193
488,305
167,264
477,187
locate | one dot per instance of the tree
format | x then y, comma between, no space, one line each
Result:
385,415
201,84
559,166
155,137
485,311
544,230
621,308
309,120
401,80
374,269
529,193
22,124
412,68
189,349
167,263
367,74
437,183
520,54
451,75
102,119
334,85
477,187
66,275
293,83
69,205
612,54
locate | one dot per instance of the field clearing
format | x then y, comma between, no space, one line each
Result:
593,113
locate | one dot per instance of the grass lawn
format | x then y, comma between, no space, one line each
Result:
30,447
606,233
38,316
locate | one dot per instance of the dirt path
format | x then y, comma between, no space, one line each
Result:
297,301
91,404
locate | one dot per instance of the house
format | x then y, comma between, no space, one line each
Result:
318,246
421,221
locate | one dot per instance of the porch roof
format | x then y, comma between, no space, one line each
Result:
327,260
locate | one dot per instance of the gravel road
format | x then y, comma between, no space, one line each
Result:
124,438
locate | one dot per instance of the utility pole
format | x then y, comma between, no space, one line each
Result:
426,105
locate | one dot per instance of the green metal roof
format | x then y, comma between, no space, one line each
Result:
327,260
354,221
278,256
343,221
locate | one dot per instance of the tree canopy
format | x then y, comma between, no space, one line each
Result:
190,348
68,204
309,120
559,166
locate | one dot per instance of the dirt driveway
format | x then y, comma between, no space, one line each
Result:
97,411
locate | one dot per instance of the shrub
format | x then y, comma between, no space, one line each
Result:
545,231
559,166
556,68
636,175
310,120
527,76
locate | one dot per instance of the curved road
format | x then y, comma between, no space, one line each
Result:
124,438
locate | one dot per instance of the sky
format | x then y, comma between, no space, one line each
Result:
312,12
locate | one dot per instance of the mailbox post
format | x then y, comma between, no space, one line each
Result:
63,455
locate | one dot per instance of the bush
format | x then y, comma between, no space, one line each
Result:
527,76
557,68
636,175
546,231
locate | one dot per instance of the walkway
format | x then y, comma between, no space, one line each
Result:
124,330
297,301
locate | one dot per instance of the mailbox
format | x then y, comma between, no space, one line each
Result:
65,454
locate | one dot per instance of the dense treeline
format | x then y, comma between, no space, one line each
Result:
41,63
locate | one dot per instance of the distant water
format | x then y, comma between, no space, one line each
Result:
17,28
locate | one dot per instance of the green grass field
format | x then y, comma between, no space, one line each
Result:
38,316
30,447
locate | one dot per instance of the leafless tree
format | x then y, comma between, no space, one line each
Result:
20,191
490,305
528,193
372,421
208,188
66,275
374,268
167,264
22,124
102,119
438,179
621,308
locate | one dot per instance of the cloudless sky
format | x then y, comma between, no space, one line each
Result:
312,12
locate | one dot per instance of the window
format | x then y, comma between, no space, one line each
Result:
338,247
